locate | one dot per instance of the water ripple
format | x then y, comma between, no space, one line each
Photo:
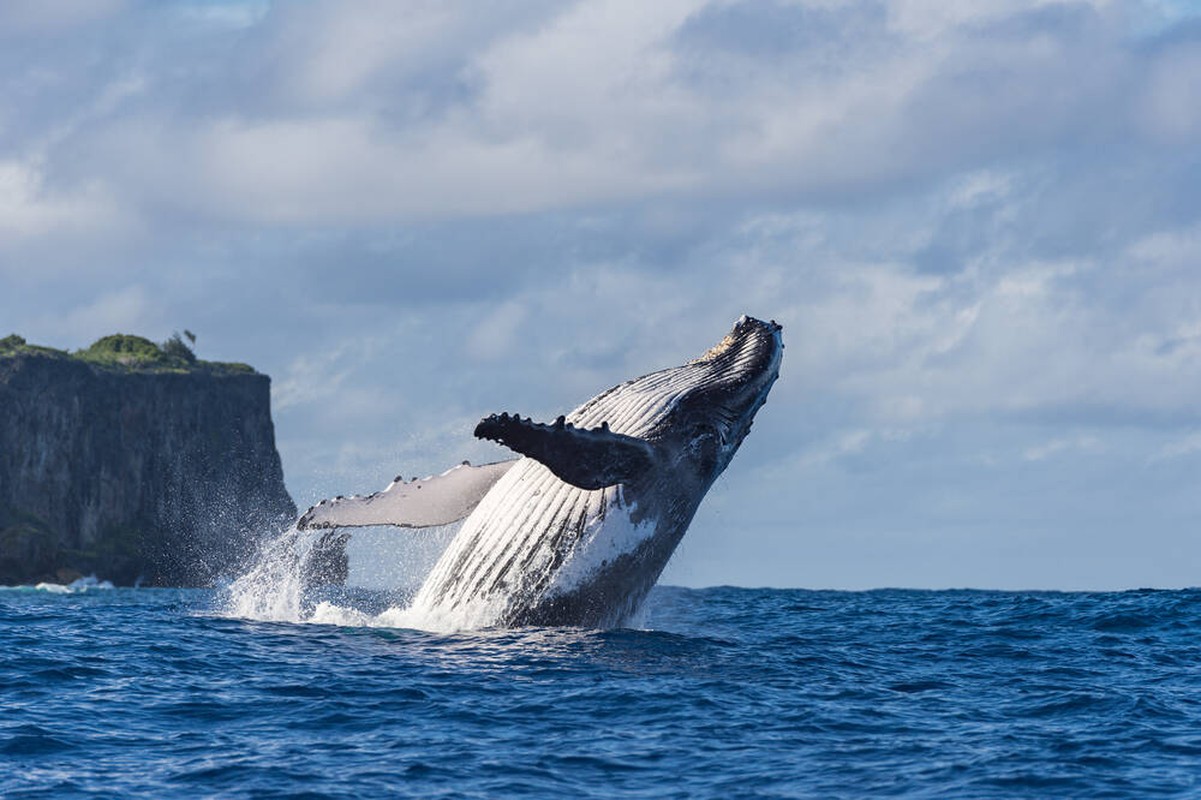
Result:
729,693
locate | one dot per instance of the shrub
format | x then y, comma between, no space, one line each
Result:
175,348
123,351
11,342
124,348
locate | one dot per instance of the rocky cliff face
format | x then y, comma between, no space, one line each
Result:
169,475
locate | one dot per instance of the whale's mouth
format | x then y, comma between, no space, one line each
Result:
747,350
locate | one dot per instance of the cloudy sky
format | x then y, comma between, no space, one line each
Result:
979,223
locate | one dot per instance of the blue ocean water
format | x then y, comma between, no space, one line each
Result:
727,693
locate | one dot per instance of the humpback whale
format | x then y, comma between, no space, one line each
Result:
577,530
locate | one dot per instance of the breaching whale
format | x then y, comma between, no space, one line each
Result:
578,529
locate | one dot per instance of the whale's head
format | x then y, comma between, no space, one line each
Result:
721,393
678,426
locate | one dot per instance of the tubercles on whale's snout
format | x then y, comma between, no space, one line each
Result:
771,326
748,334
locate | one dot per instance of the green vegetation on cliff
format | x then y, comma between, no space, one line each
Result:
16,345
126,352
133,461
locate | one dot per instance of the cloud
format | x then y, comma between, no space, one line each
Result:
30,210
435,111
496,334
24,17
1181,447
126,310
315,377
1088,444
1169,105
978,223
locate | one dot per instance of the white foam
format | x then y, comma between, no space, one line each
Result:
78,586
327,613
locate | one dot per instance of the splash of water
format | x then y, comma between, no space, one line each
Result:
284,583
279,587
272,591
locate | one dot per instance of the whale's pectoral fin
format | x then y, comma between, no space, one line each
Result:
589,459
423,503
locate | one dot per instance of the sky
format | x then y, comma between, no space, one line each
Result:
979,224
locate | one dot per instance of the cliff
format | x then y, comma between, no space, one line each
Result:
133,461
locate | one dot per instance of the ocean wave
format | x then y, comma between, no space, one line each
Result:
88,584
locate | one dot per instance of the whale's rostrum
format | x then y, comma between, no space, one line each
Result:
577,530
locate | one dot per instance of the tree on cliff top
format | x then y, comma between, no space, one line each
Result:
175,348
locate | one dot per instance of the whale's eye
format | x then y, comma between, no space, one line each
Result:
704,444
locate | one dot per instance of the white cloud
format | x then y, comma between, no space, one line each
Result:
934,20
587,105
338,53
317,377
979,188
1179,447
598,77
125,310
496,333
236,14
28,209
25,17
836,447
1171,102
1059,445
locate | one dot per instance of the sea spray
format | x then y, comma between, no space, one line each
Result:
284,582
271,590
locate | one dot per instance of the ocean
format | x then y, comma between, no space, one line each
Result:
720,693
